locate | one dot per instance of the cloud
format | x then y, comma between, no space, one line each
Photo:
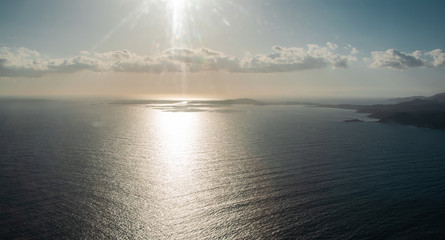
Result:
354,51
395,59
332,46
21,60
28,63
438,57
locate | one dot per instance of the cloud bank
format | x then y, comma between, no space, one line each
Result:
395,59
23,62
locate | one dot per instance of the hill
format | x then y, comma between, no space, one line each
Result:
426,112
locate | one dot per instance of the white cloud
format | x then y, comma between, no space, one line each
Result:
296,59
28,63
332,46
438,57
395,59
354,51
22,60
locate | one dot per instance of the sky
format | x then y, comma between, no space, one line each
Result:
222,48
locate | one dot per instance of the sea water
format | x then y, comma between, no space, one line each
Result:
91,170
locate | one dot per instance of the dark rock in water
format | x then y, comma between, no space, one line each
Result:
353,120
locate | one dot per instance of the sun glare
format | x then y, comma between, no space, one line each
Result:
178,11
177,3
178,133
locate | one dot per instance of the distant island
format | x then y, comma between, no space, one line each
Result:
241,101
419,111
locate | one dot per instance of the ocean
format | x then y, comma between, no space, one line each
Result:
92,170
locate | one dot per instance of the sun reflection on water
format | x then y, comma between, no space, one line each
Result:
178,154
177,132
201,180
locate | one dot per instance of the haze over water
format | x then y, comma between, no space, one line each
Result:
80,170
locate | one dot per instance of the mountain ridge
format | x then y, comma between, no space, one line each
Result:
425,112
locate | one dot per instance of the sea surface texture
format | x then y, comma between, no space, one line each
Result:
136,171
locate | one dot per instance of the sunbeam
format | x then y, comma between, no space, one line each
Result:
178,11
